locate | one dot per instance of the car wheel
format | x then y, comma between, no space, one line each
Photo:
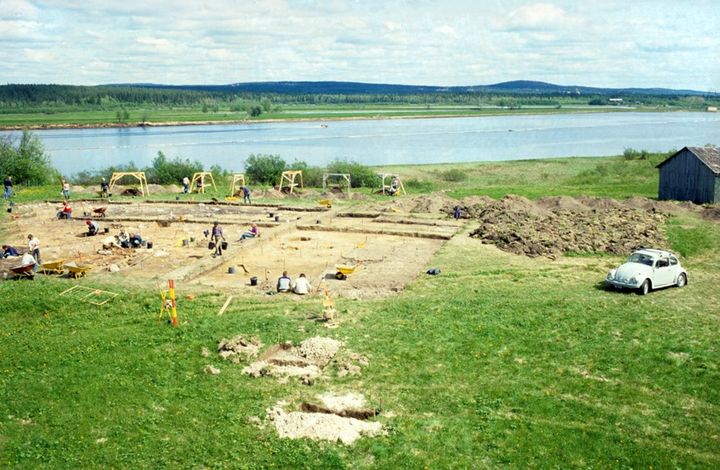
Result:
681,280
644,287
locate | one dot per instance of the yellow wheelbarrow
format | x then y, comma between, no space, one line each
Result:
53,267
77,271
325,202
344,270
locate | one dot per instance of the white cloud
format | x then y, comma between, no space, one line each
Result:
446,30
539,16
37,55
17,9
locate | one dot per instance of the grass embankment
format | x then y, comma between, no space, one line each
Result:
499,361
189,115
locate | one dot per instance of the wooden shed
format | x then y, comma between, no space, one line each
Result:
691,174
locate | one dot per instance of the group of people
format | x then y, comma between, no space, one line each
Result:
300,286
30,257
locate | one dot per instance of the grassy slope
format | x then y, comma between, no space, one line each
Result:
500,360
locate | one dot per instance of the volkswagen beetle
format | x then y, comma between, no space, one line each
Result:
648,269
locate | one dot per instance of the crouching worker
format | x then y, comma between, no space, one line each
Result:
302,285
65,212
27,260
135,240
252,233
284,282
9,251
93,228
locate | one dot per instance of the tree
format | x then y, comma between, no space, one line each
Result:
164,171
25,160
264,168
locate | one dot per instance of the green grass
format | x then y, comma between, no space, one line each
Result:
500,361
590,176
91,117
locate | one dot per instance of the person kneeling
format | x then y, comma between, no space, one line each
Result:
302,285
93,228
284,282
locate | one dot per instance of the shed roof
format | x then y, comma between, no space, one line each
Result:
710,156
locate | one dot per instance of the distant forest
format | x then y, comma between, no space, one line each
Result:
18,98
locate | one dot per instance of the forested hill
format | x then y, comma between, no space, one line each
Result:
330,87
15,97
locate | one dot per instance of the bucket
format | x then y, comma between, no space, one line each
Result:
231,270
253,281
149,245
277,218
107,229
192,239
270,214
211,245
186,242
224,245
177,198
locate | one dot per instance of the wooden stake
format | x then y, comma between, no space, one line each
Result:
225,305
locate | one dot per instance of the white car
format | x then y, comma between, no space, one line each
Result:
648,269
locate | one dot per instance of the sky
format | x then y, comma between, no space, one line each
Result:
604,43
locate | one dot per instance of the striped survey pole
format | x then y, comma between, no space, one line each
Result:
171,289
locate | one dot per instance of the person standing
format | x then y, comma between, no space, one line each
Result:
217,234
104,188
65,189
246,195
186,185
457,213
8,186
34,249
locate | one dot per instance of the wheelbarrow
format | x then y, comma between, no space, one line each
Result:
24,271
344,270
100,211
325,202
76,271
53,267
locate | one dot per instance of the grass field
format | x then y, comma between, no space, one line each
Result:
288,112
500,361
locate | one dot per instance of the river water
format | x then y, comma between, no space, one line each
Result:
385,141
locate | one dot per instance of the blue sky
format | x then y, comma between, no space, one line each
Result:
673,44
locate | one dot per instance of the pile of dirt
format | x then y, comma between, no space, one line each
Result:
238,348
307,360
331,421
163,189
559,225
711,213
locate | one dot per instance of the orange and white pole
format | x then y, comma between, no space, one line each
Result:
171,287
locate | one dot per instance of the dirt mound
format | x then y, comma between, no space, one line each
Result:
429,204
238,348
561,225
306,360
331,421
711,213
163,189
564,203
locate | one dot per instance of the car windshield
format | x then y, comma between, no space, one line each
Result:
640,258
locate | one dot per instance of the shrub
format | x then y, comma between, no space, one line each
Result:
312,175
264,169
164,171
454,175
25,160
632,154
360,175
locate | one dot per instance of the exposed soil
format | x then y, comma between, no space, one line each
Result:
390,252
307,360
338,418
238,348
552,226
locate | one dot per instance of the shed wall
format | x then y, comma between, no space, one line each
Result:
686,178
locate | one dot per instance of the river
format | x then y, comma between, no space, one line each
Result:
385,141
